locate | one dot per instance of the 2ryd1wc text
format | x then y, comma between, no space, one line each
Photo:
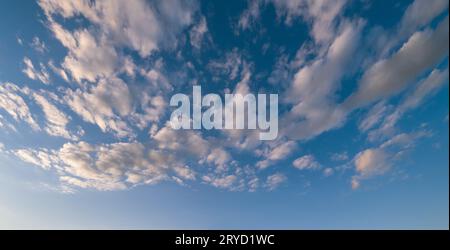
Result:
226,239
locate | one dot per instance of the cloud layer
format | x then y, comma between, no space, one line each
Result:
105,96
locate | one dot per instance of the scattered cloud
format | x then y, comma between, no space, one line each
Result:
275,180
276,153
40,75
343,156
56,120
387,121
387,77
13,103
121,61
104,105
311,92
38,45
328,172
198,32
307,162
377,161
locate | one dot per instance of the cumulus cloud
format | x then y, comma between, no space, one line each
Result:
42,158
104,105
389,76
321,14
229,66
343,156
219,157
58,71
6,125
275,180
12,102
38,45
198,33
116,58
152,110
139,25
80,61
378,161
276,153
56,119
191,144
220,182
125,164
250,15
312,92
374,116
306,162
424,88
40,75
371,162
328,172
420,13
103,167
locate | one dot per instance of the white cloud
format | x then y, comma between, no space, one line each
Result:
343,156
185,172
425,87
420,13
229,66
41,158
321,14
152,110
377,161
13,103
198,32
328,172
389,76
80,61
38,45
225,182
313,78
250,15
275,180
103,167
413,99
374,116
35,74
104,105
306,162
253,184
58,71
313,93
191,145
277,152
219,157
281,151
56,119
371,162
6,125
138,25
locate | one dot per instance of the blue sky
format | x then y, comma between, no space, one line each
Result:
363,114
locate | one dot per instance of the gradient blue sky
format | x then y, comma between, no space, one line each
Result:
363,90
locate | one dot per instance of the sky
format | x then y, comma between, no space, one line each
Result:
85,135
